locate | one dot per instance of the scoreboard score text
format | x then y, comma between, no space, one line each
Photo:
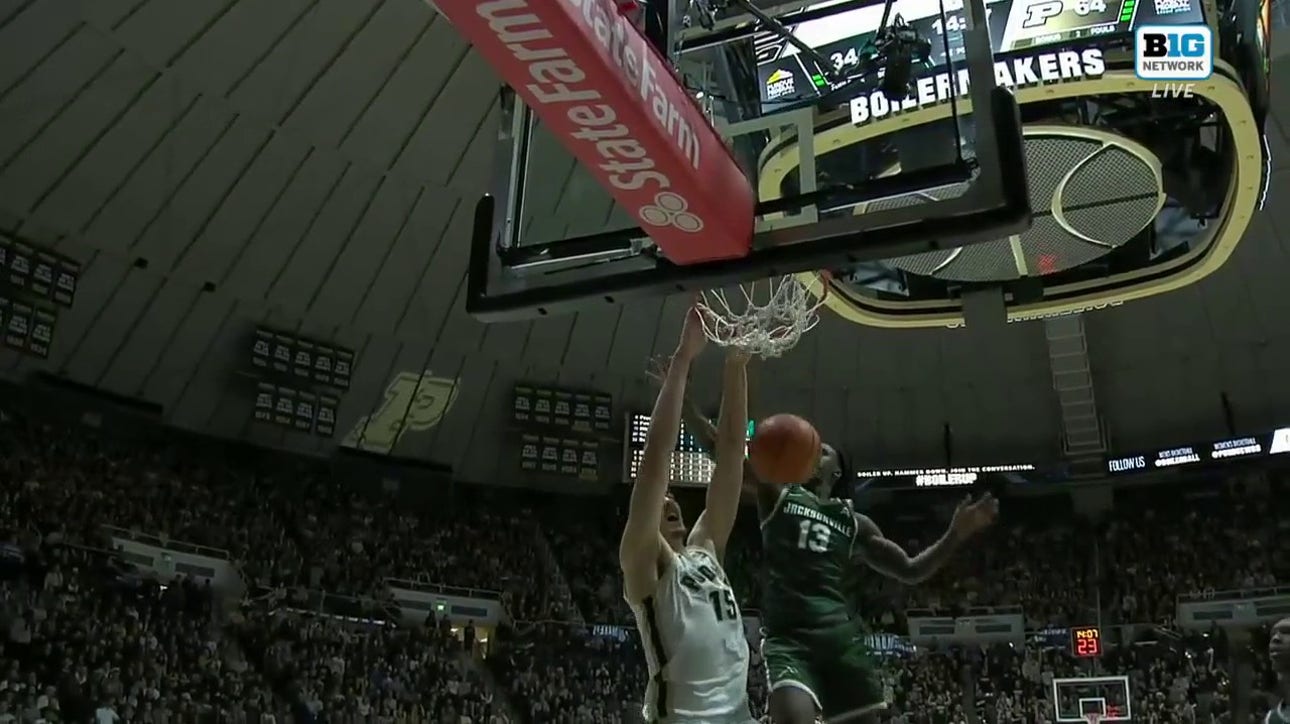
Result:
1086,642
1038,14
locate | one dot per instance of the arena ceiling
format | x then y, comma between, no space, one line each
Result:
312,165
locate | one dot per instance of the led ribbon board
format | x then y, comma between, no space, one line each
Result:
1216,451
941,477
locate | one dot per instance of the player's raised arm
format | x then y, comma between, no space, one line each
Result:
887,557
705,434
639,549
712,530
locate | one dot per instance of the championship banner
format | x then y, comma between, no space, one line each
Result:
42,332
265,397
550,407
284,407
306,408
20,257
325,426
17,326
305,361
578,459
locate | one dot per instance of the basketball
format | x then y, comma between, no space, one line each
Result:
784,449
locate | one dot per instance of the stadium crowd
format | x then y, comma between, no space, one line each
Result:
89,637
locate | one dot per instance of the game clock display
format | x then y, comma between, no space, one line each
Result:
1086,642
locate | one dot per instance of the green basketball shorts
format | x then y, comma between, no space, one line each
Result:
833,665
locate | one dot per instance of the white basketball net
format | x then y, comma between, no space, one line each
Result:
772,316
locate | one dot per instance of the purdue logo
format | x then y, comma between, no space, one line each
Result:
699,575
412,403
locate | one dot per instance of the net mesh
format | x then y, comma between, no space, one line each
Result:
767,318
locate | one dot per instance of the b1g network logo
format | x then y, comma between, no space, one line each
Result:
1173,57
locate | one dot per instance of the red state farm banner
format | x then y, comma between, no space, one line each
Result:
599,86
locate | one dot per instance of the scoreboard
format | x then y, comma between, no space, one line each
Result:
845,39
690,464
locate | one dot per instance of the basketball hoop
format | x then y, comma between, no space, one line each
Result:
774,315
1093,718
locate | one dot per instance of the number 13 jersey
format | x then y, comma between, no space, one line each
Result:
695,645
807,542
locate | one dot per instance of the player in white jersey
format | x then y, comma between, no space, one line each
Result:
1279,653
688,618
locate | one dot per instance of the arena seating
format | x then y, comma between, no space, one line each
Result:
331,670
70,608
1175,679
558,673
87,638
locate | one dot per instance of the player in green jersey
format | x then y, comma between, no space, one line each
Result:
816,656
815,650
1279,653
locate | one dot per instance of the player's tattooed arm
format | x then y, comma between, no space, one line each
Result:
722,506
887,557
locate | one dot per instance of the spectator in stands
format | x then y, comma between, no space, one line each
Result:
86,641
564,675
87,637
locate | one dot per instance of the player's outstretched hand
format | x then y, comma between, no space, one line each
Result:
693,338
738,356
972,517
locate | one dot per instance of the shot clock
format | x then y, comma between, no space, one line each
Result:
1086,642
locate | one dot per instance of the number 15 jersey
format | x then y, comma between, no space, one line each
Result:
695,645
